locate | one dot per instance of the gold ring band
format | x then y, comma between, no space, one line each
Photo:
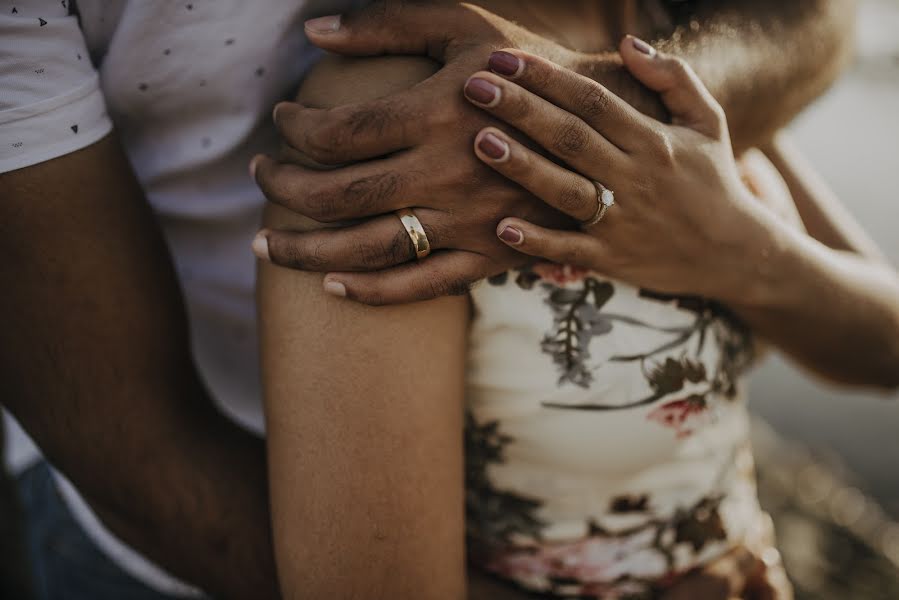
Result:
605,198
416,232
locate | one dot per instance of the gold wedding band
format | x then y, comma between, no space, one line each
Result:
416,232
605,198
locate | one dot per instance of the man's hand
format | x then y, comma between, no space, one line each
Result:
418,148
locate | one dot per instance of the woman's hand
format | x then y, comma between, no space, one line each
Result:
682,222
409,149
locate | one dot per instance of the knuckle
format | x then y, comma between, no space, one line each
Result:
719,121
444,116
323,205
459,287
361,197
372,296
438,287
593,101
370,254
679,68
370,193
373,120
298,254
570,138
518,107
273,186
661,148
400,248
539,74
572,199
571,254
321,142
433,233
519,166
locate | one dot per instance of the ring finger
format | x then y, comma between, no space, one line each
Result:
564,190
375,244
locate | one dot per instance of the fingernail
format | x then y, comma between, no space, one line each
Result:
253,164
505,63
482,91
493,147
275,111
260,245
642,46
511,236
328,24
335,288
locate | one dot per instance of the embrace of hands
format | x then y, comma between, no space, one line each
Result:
508,163
683,221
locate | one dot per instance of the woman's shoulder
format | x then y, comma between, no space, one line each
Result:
337,80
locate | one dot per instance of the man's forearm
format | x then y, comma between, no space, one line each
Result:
764,60
95,363
208,520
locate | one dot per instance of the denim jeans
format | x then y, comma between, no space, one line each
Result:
66,563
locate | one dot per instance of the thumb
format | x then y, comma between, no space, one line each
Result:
683,94
383,27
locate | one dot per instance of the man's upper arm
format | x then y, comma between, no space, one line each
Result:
95,357
90,307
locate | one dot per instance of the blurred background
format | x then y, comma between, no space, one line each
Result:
829,458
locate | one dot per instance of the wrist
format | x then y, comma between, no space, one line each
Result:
762,268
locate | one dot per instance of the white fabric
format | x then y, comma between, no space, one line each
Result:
189,87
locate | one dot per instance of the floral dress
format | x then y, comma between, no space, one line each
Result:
606,434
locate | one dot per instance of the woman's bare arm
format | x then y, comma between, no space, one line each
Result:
364,414
833,303
825,218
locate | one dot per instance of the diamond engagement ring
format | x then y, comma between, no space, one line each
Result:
604,199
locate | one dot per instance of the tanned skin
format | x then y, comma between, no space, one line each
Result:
95,362
763,61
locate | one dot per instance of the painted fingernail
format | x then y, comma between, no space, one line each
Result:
253,164
335,288
505,63
642,46
482,91
511,236
260,245
493,146
328,24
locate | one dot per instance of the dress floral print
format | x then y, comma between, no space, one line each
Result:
614,458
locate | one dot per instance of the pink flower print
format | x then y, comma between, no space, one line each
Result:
559,274
595,563
682,415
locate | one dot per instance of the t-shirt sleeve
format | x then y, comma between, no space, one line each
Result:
51,103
